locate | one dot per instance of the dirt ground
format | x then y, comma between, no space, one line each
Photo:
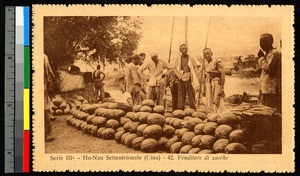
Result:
70,140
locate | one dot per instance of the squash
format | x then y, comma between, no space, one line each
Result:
179,114
228,118
196,140
175,148
162,142
219,145
207,141
143,117
159,109
187,137
199,115
198,129
118,136
223,131
168,131
185,149
236,148
152,131
136,143
136,108
123,120
237,136
99,132
149,146
133,127
146,109
148,102
212,117
140,129
112,123
171,142
210,128
181,132
189,111
194,150
193,122
129,139
156,119
206,151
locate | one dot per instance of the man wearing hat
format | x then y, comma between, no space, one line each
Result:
156,85
270,79
184,68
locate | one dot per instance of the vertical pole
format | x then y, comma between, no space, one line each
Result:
186,30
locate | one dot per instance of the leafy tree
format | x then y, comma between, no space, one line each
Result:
91,39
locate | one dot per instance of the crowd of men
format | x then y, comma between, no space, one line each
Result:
207,85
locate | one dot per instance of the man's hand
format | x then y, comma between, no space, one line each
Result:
260,53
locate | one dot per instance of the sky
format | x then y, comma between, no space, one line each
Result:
227,36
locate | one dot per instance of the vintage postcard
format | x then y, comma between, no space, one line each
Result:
163,87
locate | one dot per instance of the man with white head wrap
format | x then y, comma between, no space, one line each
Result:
156,85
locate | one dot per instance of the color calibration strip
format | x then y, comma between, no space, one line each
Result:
26,135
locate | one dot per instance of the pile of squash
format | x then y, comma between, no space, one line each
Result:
99,120
76,101
59,106
145,128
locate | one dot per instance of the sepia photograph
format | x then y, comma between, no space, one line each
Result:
142,84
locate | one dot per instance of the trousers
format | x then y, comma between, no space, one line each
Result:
186,88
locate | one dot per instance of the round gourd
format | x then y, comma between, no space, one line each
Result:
59,112
124,136
171,121
135,117
89,118
196,140
133,127
120,129
140,129
143,117
129,139
68,120
184,124
99,121
136,108
167,114
185,149
207,141
204,110
171,142
198,129
199,115
181,132
123,120
66,111
219,145
156,119
176,132
54,108
129,114
168,120
136,143
127,126
168,131
57,101
148,102
149,146
179,114
146,109
118,136
206,151
152,131
78,124
228,118
186,118
162,142
177,123
212,117
189,111
223,131
193,122
210,128
108,133
159,109
187,137
194,150
237,136
236,148
99,132
175,148
63,105
94,131
112,123
83,125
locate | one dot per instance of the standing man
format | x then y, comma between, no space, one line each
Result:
133,81
48,80
156,85
98,77
214,80
188,82
143,58
270,63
